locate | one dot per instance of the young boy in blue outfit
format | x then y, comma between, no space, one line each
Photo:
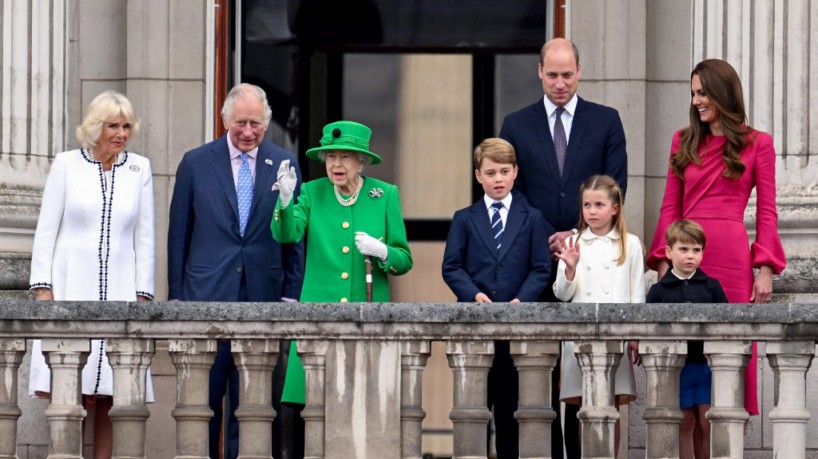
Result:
497,251
685,283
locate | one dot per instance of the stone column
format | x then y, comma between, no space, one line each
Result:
32,121
598,361
66,358
663,362
313,356
728,361
790,362
192,359
470,362
11,354
130,360
535,361
413,360
255,360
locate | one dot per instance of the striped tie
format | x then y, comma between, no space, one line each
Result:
497,224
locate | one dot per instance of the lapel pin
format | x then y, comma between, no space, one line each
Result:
134,168
268,162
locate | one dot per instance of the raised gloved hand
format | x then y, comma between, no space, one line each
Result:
285,182
368,245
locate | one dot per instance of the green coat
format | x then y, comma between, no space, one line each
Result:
335,270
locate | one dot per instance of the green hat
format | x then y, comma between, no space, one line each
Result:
345,135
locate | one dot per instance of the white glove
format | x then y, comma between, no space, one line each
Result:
368,245
285,182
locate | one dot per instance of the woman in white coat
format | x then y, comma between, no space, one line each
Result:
95,241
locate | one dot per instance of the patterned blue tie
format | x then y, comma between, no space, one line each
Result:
244,192
560,141
497,224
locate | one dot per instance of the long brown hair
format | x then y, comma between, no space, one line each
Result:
610,186
722,86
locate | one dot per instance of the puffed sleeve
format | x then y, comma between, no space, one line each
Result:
144,237
636,265
290,223
399,258
48,225
767,249
670,212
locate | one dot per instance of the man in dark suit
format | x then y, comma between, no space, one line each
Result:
560,141
220,247
492,254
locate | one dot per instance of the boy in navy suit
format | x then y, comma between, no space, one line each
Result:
686,283
496,251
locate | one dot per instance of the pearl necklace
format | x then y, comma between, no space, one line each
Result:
352,199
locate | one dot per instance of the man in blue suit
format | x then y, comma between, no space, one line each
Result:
560,141
493,254
219,243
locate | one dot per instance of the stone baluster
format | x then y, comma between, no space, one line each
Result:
470,362
192,359
535,362
66,358
255,360
11,354
598,361
130,360
413,360
663,362
790,361
313,357
727,360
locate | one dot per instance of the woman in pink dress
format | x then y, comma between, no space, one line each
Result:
715,163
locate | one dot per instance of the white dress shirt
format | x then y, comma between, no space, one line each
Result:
567,115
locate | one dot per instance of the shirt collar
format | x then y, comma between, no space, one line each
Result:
683,278
506,201
589,235
570,107
235,152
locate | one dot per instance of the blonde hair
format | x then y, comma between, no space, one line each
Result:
685,231
106,107
607,184
495,149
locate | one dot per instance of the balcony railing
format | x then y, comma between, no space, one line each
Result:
469,330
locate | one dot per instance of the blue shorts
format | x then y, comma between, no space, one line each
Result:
694,385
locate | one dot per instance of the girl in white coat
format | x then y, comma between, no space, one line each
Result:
610,270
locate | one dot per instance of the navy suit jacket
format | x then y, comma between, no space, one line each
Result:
520,269
596,146
207,256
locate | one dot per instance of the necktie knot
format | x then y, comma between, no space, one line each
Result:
497,205
560,111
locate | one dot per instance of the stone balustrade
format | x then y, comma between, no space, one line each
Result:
469,330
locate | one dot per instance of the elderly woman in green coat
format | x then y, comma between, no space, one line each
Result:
345,217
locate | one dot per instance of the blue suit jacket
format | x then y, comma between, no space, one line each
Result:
206,254
520,269
596,146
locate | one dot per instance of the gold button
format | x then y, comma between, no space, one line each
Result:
344,300
345,225
344,276
345,249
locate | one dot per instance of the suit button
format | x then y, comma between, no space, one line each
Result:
345,249
493,292
238,270
344,300
345,225
344,276
562,194
499,266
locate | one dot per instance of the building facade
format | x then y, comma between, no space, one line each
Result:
636,56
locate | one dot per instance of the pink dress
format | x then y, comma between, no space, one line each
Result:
718,203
